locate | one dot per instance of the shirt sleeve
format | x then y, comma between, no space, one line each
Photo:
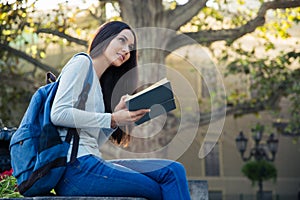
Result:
70,86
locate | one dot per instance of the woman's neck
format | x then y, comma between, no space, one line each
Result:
100,64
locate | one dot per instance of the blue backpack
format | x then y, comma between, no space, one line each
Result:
38,155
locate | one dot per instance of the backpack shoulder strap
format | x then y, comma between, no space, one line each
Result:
89,76
50,77
80,104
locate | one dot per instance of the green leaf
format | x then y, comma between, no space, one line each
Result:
259,170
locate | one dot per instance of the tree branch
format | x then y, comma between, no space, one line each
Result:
28,58
208,36
243,108
184,13
221,113
224,111
280,126
63,35
16,80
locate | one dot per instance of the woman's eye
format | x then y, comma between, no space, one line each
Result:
122,40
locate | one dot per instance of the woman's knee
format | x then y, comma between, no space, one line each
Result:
178,169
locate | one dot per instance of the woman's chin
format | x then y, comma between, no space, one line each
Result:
116,64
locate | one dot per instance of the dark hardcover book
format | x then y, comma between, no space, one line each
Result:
158,98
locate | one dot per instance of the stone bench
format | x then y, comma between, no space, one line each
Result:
198,191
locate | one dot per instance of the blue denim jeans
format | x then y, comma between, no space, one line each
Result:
153,179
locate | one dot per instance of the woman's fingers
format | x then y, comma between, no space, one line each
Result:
123,117
123,98
136,115
121,105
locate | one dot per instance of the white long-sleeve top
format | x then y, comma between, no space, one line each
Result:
94,124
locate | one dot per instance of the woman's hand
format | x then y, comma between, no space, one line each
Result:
124,117
121,105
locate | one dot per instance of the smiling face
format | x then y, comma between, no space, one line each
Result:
118,50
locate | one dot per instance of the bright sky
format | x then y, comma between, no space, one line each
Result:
50,4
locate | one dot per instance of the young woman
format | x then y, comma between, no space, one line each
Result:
113,54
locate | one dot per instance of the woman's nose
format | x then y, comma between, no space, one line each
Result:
126,49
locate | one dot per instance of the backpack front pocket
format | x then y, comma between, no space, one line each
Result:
24,145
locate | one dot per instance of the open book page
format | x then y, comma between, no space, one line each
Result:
161,82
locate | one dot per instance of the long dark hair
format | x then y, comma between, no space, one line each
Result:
113,75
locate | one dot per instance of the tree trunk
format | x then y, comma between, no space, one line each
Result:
151,53
145,16
156,28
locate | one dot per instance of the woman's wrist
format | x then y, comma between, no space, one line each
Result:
113,123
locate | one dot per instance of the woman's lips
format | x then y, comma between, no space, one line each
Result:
121,57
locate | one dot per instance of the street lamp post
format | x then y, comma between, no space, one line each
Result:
258,152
